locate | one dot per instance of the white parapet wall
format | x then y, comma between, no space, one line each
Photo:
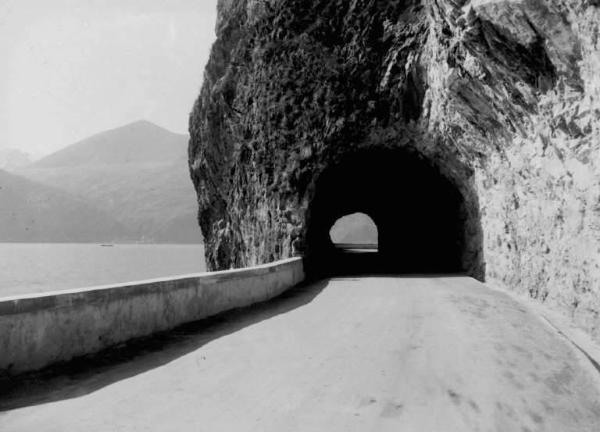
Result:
40,330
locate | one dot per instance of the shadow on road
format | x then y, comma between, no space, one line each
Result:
90,373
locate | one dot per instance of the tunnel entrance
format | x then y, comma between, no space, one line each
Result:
420,214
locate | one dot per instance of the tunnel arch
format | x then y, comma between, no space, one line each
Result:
428,222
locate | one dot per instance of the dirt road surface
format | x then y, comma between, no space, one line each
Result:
346,354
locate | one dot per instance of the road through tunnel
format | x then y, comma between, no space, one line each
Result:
424,223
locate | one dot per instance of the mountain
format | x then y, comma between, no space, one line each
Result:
134,144
11,159
136,173
34,212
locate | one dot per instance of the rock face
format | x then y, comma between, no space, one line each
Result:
468,130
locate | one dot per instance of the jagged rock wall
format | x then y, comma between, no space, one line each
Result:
503,97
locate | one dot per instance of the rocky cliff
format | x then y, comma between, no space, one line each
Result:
483,114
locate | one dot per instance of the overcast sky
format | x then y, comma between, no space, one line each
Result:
71,68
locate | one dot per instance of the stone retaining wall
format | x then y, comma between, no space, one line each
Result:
39,330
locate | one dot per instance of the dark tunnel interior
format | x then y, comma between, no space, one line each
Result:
419,214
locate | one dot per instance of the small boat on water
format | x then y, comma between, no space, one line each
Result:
107,245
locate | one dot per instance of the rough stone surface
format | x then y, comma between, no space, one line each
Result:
501,97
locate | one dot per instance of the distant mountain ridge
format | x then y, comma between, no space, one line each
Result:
11,159
137,174
133,144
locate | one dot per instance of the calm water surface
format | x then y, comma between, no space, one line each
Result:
41,267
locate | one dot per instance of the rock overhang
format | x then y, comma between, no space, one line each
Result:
470,86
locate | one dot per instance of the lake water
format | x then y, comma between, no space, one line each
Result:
41,267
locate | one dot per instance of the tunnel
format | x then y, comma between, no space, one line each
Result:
423,221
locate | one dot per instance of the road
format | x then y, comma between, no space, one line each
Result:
347,354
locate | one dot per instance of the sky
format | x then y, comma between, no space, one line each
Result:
72,68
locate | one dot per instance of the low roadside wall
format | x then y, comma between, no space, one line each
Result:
38,330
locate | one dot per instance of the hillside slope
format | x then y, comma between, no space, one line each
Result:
12,159
34,212
133,144
136,173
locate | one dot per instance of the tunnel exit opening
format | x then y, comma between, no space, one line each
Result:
424,224
355,231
